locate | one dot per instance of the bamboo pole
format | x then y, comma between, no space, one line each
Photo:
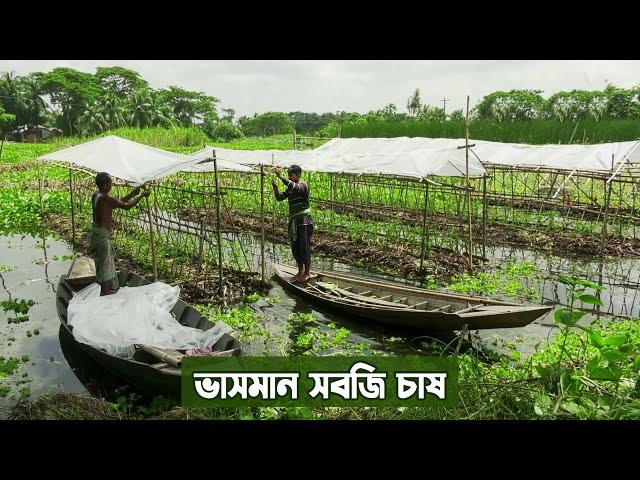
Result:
262,257
484,216
468,189
154,259
73,210
202,213
425,231
607,192
218,222
273,202
40,175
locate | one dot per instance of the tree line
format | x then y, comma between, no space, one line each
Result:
81,103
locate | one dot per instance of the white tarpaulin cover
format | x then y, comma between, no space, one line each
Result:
599,157
230,157
223,165
121,158
135,315
406,157
419,157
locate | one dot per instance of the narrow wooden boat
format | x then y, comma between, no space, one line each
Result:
156,371
406,307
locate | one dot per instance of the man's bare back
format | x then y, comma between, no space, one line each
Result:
103,205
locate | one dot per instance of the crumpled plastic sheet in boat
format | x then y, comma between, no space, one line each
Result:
135,315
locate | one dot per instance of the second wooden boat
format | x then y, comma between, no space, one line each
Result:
407,307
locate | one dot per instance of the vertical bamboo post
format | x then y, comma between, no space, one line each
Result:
202,212
273,202
425,231
295,143
154,259
73,210
484,216
41,201
607,193
262,257
468,189
218,222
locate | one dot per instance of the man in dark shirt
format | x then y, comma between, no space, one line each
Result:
300,221
101,230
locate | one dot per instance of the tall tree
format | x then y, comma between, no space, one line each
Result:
270,123
228,114
113,110
36,110
91,120
12,97
7,121
71,91
121,81
622,102
146,109
188,107
512,105
413,104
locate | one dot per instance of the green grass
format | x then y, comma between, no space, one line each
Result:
533,132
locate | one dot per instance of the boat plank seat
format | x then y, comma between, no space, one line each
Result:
360,298
468,309
439,309
416,305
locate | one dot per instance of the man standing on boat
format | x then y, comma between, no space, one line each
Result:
101,231
300,225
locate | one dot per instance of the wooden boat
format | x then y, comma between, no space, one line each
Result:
154,370
405,307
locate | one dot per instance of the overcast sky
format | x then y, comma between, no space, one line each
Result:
360,86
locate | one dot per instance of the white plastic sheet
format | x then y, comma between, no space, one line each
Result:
421,157
134,315
121,158
223,164
591,158
405,157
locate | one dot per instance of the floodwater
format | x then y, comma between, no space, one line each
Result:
30,270
34,270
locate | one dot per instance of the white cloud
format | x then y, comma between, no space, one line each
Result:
327,86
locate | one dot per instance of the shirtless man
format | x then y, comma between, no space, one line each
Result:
101,231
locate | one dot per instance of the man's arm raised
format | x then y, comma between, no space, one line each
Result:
117,203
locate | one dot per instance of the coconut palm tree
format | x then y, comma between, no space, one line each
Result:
11,96
91,120
36,107
146,110
113,110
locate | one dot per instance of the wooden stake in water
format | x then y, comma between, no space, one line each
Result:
425,230
484,215
468,189
218,223
153,241
41,202
262,258
607,193
273,201
73,210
